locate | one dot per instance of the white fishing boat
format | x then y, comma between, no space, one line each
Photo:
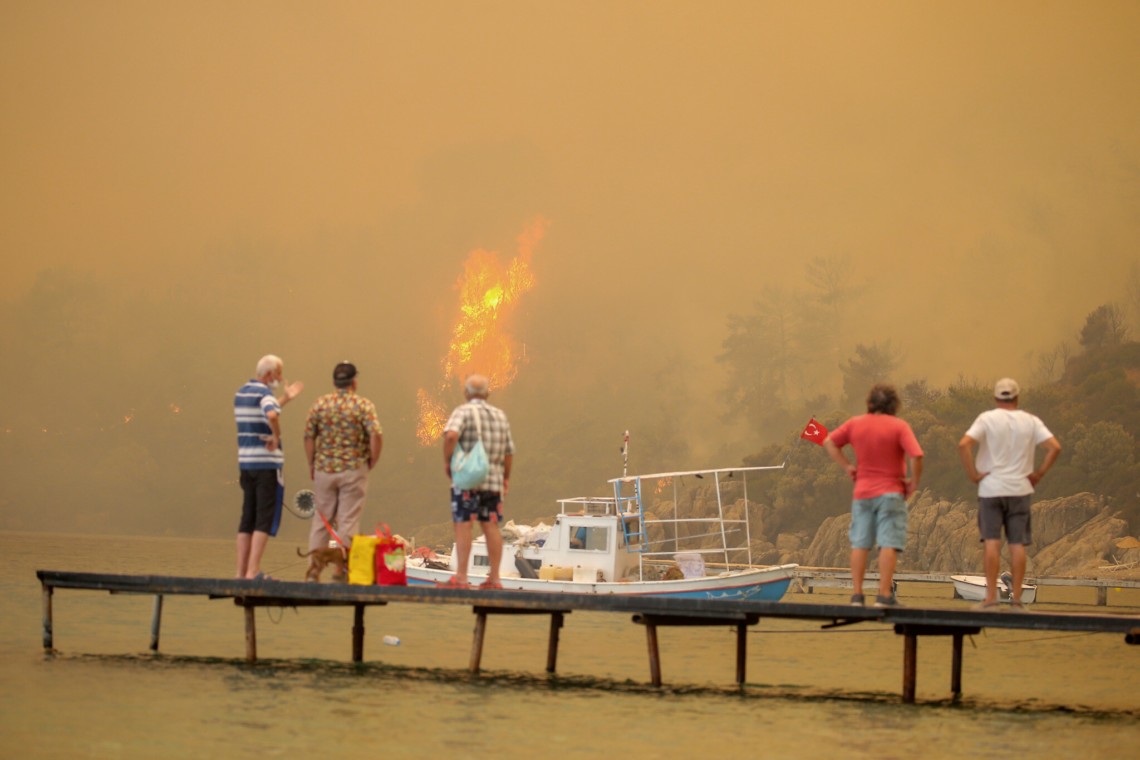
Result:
972,588
617,545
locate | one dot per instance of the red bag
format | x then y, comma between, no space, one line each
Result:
391,560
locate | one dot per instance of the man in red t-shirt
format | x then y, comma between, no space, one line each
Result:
884,445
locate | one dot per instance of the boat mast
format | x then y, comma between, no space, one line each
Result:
625,455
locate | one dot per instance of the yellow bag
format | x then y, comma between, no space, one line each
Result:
361,560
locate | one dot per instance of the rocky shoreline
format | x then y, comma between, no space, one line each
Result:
1075,536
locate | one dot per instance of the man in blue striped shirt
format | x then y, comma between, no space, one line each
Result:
260,461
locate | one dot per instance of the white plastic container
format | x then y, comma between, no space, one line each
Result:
392,641
692,564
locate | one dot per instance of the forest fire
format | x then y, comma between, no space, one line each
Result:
481,340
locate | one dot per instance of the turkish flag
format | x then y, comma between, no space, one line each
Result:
814,432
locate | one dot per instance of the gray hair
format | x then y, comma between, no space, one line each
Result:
268,363
476,386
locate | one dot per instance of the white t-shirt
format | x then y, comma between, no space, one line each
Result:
1007,442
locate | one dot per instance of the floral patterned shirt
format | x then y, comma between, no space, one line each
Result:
341,424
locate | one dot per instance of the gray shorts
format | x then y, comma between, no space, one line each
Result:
1012,512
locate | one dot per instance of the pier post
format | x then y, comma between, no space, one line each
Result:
1102,596
47,627
956,667
552,647
651,621
155,622
741,652
358,633
910,666
654,656
250,633
911,632
477,642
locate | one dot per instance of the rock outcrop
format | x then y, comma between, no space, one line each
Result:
1072,536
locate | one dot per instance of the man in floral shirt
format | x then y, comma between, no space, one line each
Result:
342,442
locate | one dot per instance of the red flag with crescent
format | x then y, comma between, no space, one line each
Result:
814,432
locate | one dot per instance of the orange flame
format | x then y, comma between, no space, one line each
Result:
432,418
481,342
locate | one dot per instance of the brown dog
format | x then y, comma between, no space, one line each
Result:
321,558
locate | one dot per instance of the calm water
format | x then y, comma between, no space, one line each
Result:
809,694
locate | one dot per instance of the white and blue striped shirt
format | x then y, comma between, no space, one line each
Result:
252,403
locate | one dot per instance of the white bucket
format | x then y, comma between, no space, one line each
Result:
585,574
692,565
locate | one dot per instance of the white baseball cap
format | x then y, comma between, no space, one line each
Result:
1006,389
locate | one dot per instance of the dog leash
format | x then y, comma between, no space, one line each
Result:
332,532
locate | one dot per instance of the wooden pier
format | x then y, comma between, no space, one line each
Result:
807,579
653,612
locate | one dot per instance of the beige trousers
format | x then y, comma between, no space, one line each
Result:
340,498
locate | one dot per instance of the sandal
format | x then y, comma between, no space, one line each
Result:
452,582
263,577
490,585
995,605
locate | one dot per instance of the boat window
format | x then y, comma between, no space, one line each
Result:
590,538
480,560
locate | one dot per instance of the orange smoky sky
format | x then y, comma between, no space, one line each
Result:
189,185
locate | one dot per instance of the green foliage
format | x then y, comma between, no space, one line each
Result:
809,490
1093,408
871,364
1104,327
787,346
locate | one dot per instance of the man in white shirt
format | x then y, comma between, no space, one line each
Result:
1007,440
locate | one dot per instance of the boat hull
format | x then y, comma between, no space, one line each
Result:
972,588
764,584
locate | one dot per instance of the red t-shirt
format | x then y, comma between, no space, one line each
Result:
881,442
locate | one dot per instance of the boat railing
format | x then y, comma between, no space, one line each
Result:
658,538
646,532
595,505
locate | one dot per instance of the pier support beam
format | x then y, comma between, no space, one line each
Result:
358,633
250,604
155,623
250,633
556,621
557,618
956,667
651,622
911,632
47,625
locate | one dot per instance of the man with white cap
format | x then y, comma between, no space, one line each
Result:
1007,439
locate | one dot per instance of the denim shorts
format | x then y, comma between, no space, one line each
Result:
880,520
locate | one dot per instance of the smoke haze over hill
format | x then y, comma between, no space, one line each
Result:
188,186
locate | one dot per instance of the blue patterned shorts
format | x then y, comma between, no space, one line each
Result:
484,506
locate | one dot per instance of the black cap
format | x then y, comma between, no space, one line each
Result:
343,374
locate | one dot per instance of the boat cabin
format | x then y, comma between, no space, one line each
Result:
586,543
